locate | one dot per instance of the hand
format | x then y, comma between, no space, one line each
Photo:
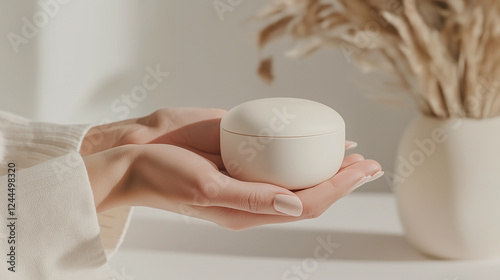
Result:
175,179
195,129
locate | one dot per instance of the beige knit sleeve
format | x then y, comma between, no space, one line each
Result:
29,143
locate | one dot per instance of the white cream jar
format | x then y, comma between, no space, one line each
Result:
291,142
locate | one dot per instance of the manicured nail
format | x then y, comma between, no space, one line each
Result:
287,204
350,145
377,175
362,181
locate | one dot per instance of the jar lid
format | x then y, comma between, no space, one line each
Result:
282,117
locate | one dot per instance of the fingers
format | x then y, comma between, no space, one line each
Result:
264,198
374,171
314,200
350,160
259,198
368,166
350,145
317,199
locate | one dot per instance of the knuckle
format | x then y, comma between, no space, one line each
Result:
160,113
199,199
133,136
207,192
204,192
254,202
157,119
152,119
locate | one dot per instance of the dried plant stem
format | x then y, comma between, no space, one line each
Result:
444,52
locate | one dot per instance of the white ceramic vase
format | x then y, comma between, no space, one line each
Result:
447,186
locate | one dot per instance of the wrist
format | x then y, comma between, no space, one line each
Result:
110,175
103,137
93,141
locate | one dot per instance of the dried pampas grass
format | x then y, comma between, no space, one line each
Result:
446,53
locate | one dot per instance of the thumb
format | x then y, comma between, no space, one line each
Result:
259,198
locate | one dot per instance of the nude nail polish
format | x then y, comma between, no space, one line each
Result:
287,204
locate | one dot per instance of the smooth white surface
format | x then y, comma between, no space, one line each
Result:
294,163
162,245
282,117
448,187
290,142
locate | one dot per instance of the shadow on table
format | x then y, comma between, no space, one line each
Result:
267,242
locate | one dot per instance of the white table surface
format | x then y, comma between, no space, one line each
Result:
162,245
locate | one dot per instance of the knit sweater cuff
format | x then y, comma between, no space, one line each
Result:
36,142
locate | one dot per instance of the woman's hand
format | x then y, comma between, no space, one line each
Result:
179,180
195,129
181,170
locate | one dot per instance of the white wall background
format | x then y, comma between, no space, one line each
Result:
88,53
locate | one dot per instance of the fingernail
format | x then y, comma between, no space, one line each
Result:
350,145
287,204
361,182
377,175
